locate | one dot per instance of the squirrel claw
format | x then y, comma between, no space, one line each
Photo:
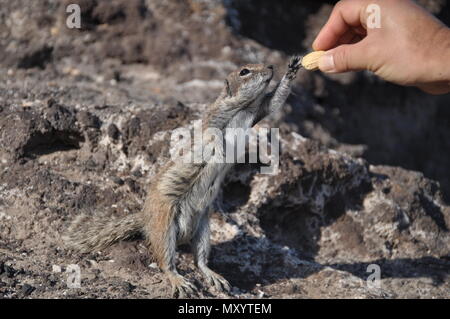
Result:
182,288
216,280
293,67
220,283
295,61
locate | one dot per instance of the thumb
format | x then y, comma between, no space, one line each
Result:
346,57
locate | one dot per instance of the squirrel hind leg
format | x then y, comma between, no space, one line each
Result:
163,242
202,245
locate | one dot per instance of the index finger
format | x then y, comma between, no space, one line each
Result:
346,15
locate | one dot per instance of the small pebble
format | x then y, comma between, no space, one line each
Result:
117,180
27,289
113,131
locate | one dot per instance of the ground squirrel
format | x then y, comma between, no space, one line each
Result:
177,207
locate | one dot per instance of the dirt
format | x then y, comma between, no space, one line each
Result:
85,123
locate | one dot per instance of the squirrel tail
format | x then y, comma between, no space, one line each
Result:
92,233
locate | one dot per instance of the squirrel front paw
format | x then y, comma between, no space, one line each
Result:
293,66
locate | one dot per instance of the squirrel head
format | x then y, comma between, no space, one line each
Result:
242,87
249,81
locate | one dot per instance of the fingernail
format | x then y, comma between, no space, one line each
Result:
326,63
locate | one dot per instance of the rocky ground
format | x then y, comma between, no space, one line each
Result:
85,122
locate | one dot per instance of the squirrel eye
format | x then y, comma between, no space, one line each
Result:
244,72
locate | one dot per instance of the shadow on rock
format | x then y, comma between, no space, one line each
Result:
262,263
436,269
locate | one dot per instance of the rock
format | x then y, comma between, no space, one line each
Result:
37,57
134,187
32,132
90,164
134,127
128,287
50,102
27,290
117,180
137,173
113,131
9,271
88,119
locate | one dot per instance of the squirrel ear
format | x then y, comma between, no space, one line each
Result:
227,88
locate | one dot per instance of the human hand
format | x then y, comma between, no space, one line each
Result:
410,46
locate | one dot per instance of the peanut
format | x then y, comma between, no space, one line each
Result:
311,60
